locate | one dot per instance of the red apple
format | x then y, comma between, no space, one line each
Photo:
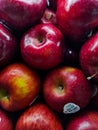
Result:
67,90
5,121
8,45
19,86
49,16
89,57
21,14
84,121
76,18
38,117
43,46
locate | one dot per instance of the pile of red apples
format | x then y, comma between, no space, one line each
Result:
48,64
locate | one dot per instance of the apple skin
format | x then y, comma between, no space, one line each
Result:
89,57
38,117
77,18
8,45
85,121
21,14
49,16
5,121
42,45
66,85
19,87
94,102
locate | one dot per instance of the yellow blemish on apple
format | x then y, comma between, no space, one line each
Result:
20,82
21,86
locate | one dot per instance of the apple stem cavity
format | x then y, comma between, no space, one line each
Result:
3,93
61,87
40,38
49,16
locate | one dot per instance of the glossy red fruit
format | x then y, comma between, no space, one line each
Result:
19,87
21,14
67,90
8,46
38,117
5,121
76,18
89,58
84,121
43,46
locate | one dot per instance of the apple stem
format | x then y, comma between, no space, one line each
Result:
92,76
